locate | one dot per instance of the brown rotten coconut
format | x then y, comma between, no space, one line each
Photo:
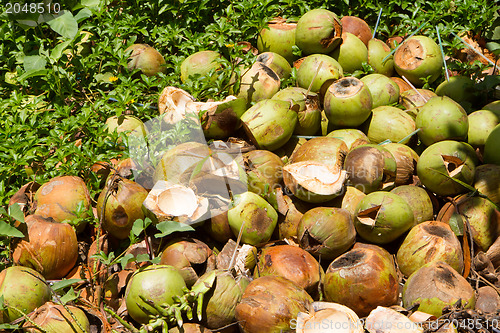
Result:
362,279
430,241
52,318
145,58
371,168
50,248
191,257
119,205
435,286
290,262
406,162
64,199
275,301
358,27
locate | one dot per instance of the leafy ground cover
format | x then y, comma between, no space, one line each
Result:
64,74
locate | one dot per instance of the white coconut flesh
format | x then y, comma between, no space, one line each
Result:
245,258
369,216
167,200
177,201
386,320
329,317
173,100
453,164
317,177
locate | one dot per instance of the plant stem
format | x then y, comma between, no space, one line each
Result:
442,53
121,321
477,52
413,87
376,24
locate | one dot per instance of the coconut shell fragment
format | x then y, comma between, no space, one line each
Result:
314,182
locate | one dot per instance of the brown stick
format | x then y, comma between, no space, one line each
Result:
493,253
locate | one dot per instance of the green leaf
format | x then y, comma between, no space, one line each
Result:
142,257
58,50
26,24
32,73
126,259
8,327
138,227
16,212
105,78
90,3
168,227
32,63
65,25
65,283
7,230
456,223
83,14
69,296
493,47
